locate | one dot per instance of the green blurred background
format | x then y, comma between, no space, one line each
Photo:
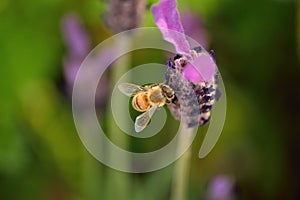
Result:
257,49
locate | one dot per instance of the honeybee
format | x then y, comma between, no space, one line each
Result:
147,99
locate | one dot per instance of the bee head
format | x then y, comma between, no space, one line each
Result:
168,93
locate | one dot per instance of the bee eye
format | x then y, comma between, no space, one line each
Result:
170,95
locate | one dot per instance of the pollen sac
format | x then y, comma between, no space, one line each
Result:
192,101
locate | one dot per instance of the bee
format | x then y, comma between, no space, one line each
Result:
147,99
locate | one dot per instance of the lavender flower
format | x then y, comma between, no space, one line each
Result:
78,46
220,188
193,113
192,71
199,67
125,14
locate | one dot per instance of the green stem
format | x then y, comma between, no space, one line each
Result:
182,167
92,178
118,181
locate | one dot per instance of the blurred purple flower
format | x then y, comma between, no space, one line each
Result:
124,14
167,19
75,36
193,27
78,45
220,188
71,67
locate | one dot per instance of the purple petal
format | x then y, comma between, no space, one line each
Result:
75,36
202,68
167,20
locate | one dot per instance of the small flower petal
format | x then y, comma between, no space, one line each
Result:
167,20
202,68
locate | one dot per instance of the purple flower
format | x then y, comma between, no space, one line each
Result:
220,188
78,45
181,81
75,36
197,69
193,27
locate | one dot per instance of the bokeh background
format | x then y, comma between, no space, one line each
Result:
257,51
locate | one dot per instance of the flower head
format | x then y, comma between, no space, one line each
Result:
192,73
193,113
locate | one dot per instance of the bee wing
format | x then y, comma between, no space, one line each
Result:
128,88
142,120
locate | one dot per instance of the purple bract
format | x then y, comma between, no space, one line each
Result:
167,20
200,68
